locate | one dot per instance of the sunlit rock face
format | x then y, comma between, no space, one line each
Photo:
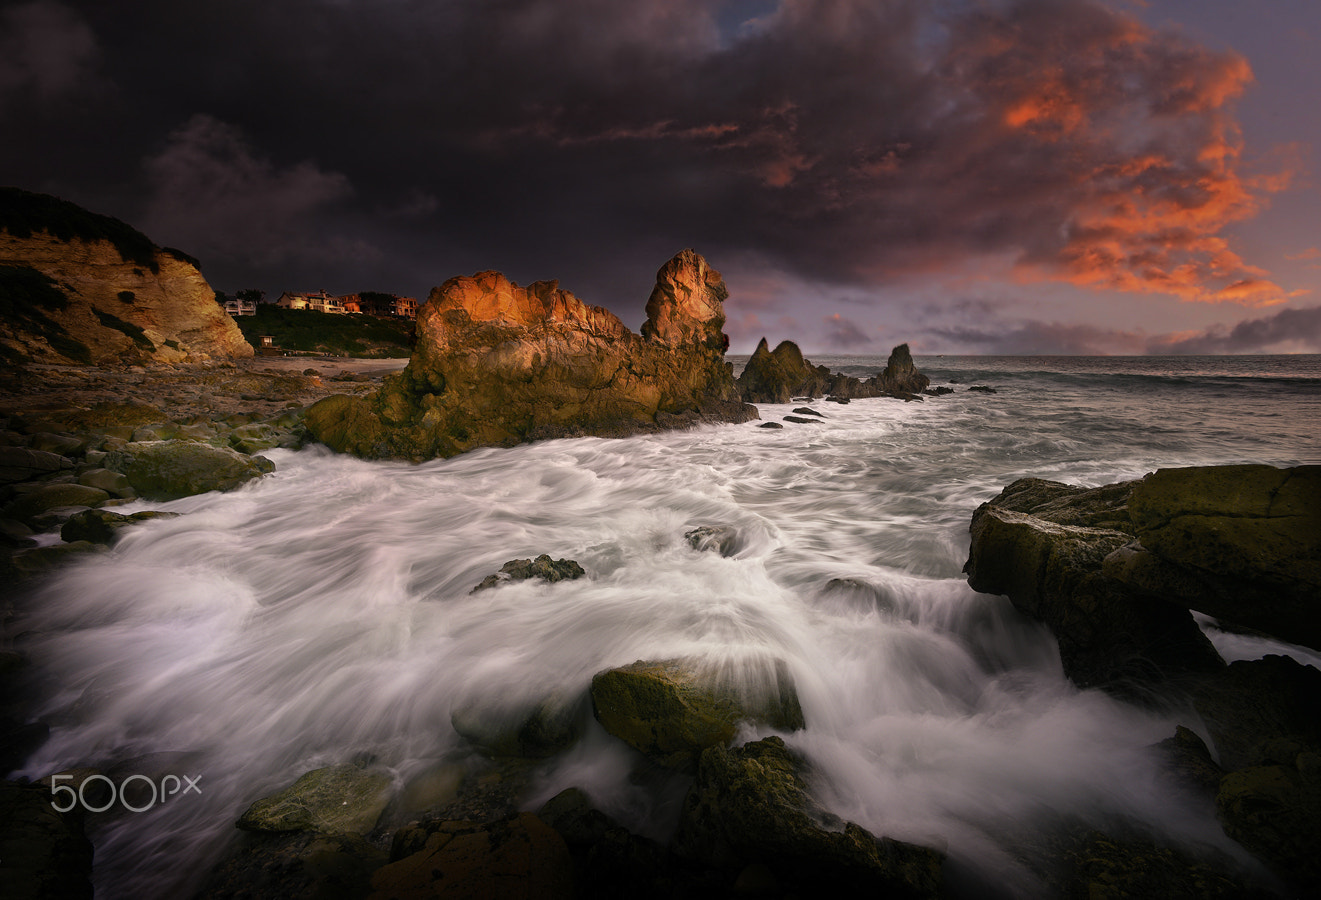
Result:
497,364
77,287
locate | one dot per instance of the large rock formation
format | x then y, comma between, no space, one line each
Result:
1114,570
497,364
777,376
83,288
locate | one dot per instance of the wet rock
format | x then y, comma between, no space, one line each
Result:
53,496
983,389
674,709
782,375
1052,572
1190,763
800,420
497,364
770,425
296,865
111,482
840,400
341,799
542,567
938,391
1241,543
609,861
547,728
723,539
1275,812
38,561
43,853
521,857
167,470
806,411
1107,866
102,526
59,444
750,805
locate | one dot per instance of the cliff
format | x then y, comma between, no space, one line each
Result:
497,364
76,287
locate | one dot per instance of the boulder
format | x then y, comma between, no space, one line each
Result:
296,864
750,805
542,730
543,567
24,464
672,710
111,482
342,799
43,853
497,364
168,470
1052,572
101,526
520,857
722,539
1241,543
27,507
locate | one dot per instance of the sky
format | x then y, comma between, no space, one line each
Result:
967,176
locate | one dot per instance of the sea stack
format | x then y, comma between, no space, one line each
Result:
497,364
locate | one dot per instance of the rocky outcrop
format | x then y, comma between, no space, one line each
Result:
334,800
750,806
83,288
1114,570
1241,543
672,710
779,375
542,568
497,364
1043,544
168,470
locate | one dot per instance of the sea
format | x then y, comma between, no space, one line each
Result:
325,614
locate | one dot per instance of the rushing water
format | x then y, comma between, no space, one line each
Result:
325,611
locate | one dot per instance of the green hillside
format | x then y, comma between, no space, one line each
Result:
348,334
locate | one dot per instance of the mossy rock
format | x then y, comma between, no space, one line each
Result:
751,805
674,709
334,800
168,470
53,496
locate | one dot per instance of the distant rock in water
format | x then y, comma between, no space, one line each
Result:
782,374
542,567
77,287
497,365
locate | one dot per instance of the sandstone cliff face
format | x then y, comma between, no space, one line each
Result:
497,364
68,298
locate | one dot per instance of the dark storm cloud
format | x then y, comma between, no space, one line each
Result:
1289,330
845,334
847,141
1286,331
47,51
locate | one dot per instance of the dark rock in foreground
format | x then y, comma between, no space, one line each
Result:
750,806
672,710
1114,571
497,364
43,853
334,800
782,374
543,567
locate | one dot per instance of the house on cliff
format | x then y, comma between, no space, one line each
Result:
319,301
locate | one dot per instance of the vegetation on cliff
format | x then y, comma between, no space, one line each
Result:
349,334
